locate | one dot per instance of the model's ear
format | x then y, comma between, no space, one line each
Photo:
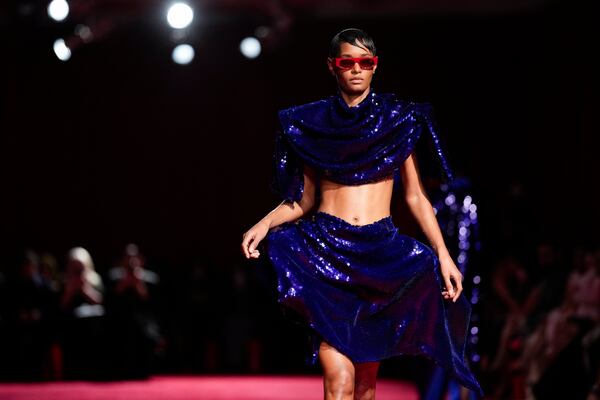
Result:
330,65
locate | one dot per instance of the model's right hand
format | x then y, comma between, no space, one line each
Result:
252,238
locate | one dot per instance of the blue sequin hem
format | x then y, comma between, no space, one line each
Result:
369,291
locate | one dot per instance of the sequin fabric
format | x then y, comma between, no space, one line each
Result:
350,145
369,291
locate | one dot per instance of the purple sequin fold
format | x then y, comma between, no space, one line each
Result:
350,145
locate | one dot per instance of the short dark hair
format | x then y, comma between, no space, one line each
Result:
350,35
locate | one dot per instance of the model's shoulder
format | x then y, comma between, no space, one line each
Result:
401,106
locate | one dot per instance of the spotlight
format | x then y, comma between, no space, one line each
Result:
61,50
180,15
84,32
250,47
58,10
183,54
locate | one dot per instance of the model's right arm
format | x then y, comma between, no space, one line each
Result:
284,212
287,211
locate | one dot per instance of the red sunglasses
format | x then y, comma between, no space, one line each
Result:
348,62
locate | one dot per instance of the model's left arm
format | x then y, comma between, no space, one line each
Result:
421,208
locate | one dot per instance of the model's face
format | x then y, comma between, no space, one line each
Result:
354,80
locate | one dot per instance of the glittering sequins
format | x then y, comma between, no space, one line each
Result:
368,290
350,145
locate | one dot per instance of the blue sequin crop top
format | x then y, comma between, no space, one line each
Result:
350,145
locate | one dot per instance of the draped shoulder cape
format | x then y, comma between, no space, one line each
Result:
350,145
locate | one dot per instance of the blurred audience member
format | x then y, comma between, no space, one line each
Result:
557,350
82,318
49,272
135,334
32,304
551,273
202,315
516,294
583,288
243,345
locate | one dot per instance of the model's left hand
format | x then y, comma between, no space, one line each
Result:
451,274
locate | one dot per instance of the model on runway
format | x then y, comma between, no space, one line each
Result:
367,291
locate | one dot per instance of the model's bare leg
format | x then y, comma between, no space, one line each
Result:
338,373
365,379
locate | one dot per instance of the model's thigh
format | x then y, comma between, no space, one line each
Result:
338,369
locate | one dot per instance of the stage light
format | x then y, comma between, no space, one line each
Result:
58,10
61,50
262,32
84,32
180,15
250,47
183,54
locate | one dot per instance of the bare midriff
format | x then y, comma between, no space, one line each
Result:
357,204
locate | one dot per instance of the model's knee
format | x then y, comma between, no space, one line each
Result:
364,391
339,384
365,379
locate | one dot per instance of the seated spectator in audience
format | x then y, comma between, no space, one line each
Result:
82,322
32,300
31,304
556,347
583,288
134,329
516,294
551,274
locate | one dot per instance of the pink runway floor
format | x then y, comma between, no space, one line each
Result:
194,388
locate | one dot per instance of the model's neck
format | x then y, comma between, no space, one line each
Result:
353,99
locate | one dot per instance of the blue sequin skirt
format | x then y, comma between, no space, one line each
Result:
369,291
